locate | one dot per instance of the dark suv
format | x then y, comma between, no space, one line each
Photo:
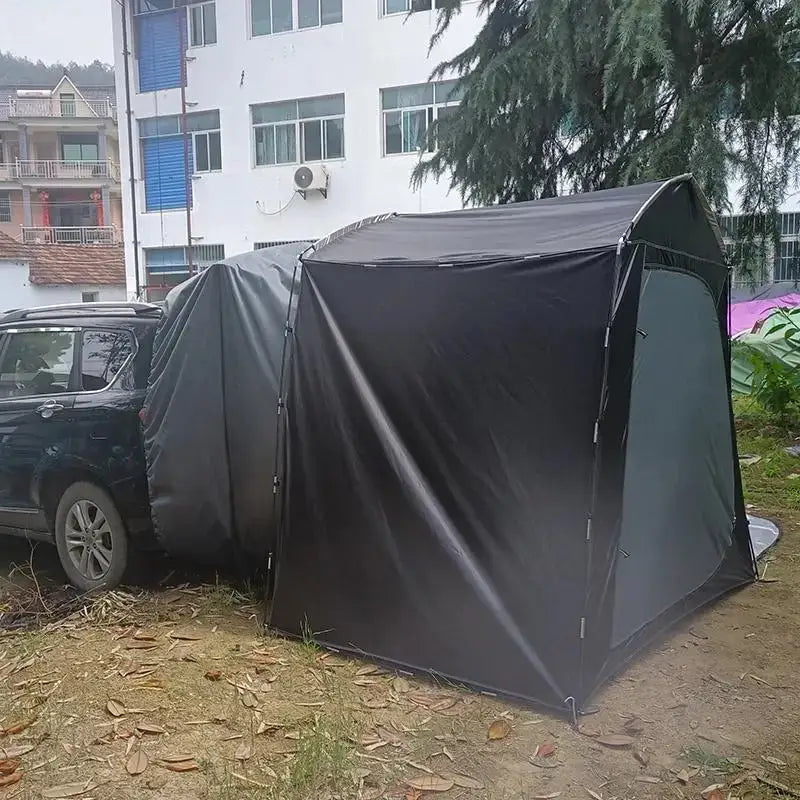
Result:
72,468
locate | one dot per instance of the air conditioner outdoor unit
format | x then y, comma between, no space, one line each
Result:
311,178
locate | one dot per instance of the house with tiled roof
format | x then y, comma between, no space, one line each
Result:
59,164
50,274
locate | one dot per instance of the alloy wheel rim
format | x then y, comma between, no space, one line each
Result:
88,538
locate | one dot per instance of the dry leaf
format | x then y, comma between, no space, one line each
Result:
615,740
140,645
499,729
594,794
137,763
14,751
375,703
464,781
642,757
647,779
115,708
716,794
545,750
551,796
181,766
774,761
213,675
185,636
684,776
370,670
9,765
443,704
249,700
292,735
401,686
177,758
143,636
364,682
708,792
16,728
67,790
10,780
431,783
149,727
244,752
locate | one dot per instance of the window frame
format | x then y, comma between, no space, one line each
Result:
200,7
409,10
123,367
71,389
431,115
207,134
5,208
296,27
298,123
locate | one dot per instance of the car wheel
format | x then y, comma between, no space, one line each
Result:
91,538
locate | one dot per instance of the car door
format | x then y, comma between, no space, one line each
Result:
37,393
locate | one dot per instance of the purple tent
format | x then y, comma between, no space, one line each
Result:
744,316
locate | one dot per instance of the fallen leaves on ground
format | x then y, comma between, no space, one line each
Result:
499,729
615,740
463,781
430,783
137,763
685,775
545,750
14,751
213,675
10,779
244,752
401,685
115,708
149,727
16,728
712,792
67,790
776,762
181,766
7,766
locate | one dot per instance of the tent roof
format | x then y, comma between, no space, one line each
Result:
553,225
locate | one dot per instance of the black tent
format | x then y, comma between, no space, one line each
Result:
505,463
211,423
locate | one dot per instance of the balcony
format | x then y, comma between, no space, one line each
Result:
83,171
93,235
56,108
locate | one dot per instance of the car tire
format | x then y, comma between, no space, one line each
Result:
91,538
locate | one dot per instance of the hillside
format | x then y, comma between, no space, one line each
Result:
15,71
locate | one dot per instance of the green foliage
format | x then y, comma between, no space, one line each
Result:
776,386
21,72
575,95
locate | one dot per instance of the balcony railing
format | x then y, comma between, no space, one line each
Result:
67,170
87,235
48,107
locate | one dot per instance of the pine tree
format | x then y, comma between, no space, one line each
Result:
575,95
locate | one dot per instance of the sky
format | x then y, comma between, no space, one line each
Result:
58,30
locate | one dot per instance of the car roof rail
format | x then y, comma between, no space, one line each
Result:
83,309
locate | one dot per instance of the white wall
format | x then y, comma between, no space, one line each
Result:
357,57
16,290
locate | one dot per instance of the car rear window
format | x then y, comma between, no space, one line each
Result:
103,355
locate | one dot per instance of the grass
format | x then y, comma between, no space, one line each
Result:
769,482
711,762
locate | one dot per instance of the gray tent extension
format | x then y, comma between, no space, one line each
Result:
210,423
503,463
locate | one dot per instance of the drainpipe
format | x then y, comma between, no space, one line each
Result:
126,53
186,144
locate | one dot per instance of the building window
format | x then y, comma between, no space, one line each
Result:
277,243
306,130
278,16
202,24
408,112
167,267
68,107
79,147
781,264
787,263
163,156
404,6
90,297
5,206
271,16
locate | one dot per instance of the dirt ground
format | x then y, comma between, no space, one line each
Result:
175,692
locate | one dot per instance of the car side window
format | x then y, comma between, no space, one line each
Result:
37,363
103,355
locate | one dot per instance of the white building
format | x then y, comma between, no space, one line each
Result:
271,85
